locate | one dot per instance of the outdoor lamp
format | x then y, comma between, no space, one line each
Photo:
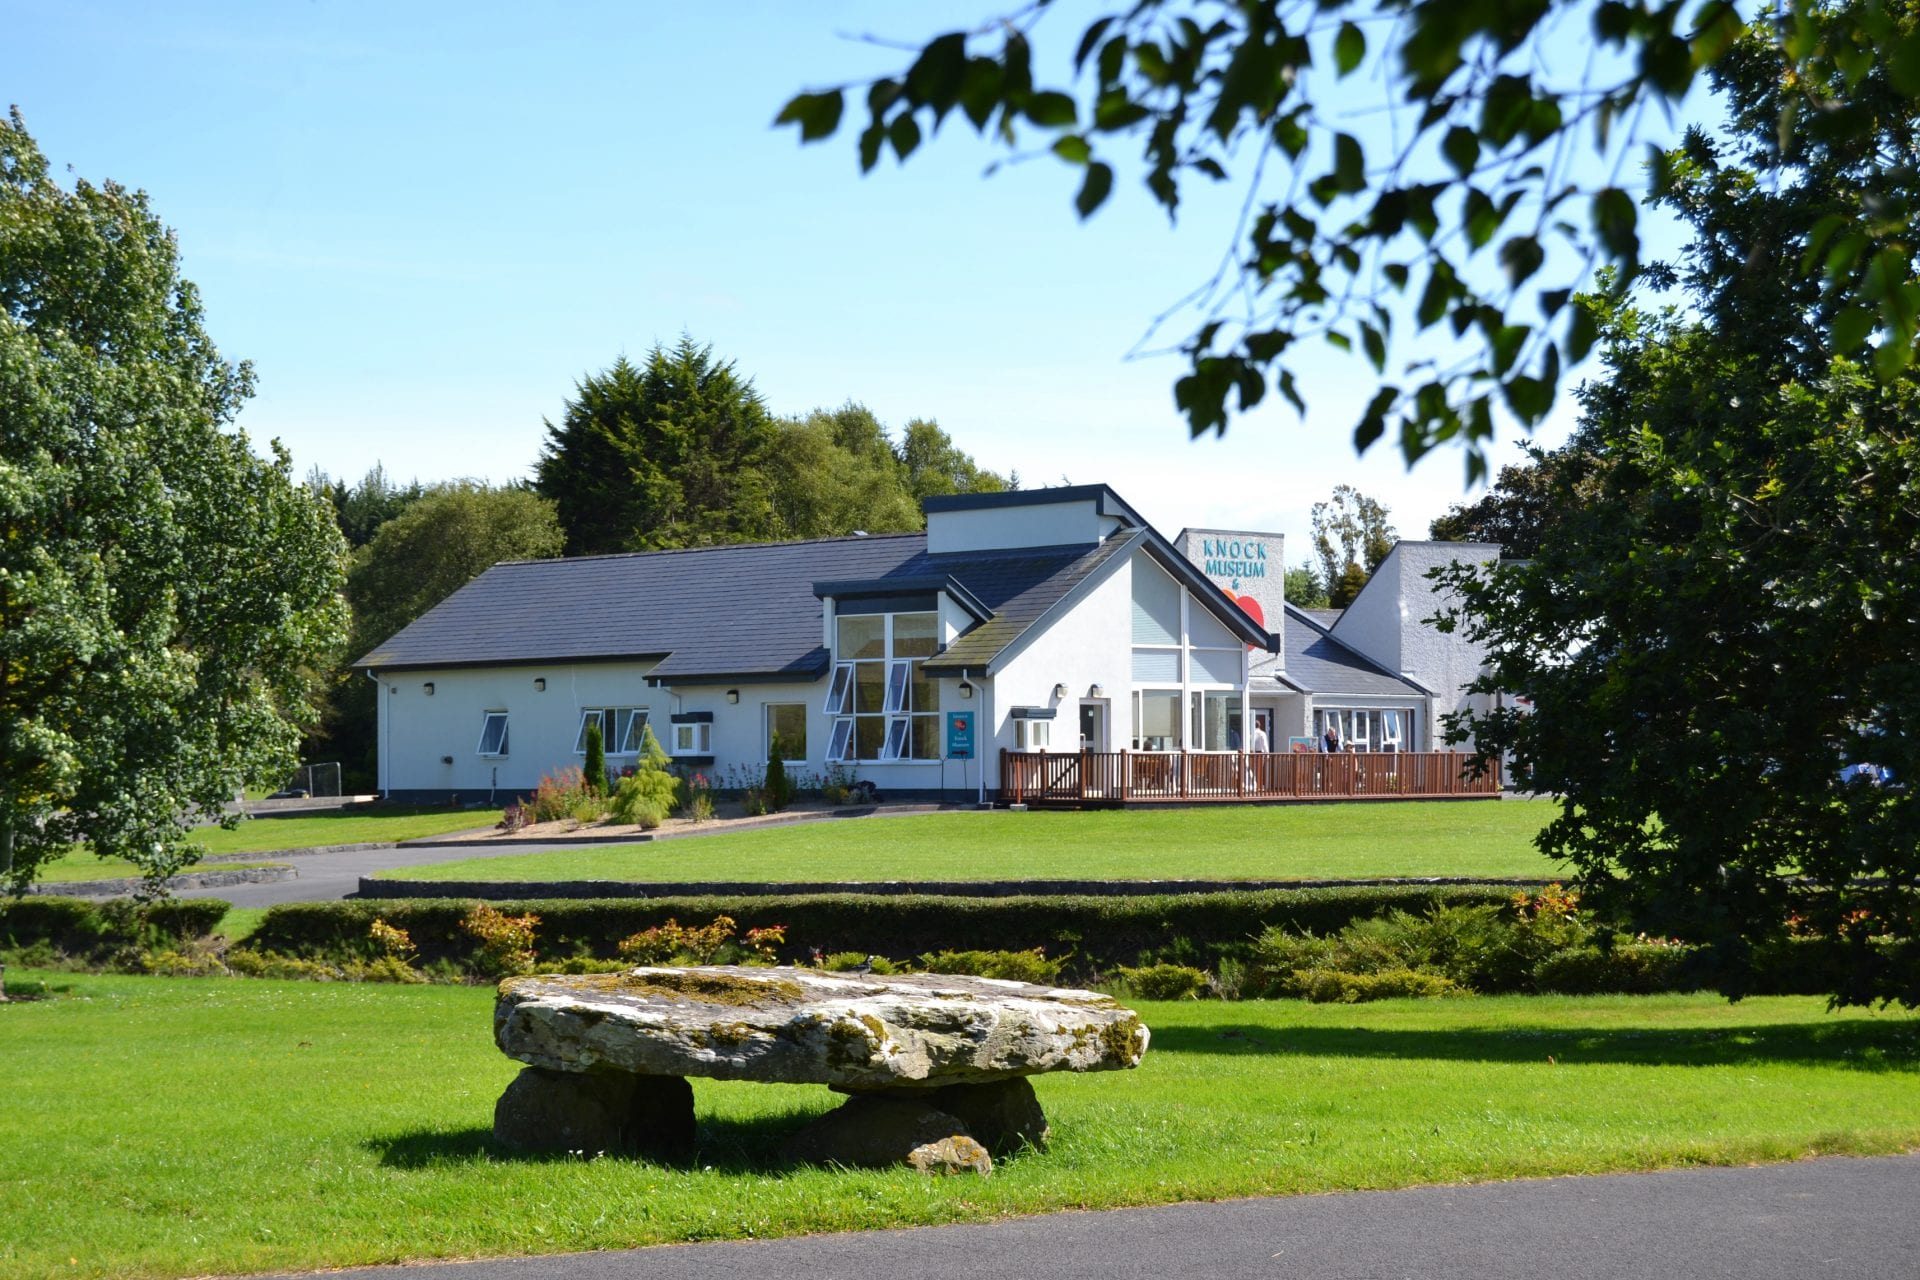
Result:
539,684
428,686
1060,691
733,695
966,689
1098,691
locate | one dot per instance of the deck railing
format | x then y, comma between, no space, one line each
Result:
1145,777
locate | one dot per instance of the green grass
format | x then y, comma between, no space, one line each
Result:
347,826
1349,841
240,922
80,865
159,1127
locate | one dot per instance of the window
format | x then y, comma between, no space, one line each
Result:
1032,735
1391,737
787,725
693,739
1358,736
493,734
1156,719
621,729
1214,716
884,708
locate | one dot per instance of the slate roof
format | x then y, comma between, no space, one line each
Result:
1020,587
746,610
1320,665
1325,617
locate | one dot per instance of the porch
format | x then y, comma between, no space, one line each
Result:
1163,777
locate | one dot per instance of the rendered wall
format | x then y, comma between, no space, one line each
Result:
1053,524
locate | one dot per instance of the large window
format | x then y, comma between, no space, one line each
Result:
884,708
493,734
787,725
1216,721
621,729
1156,720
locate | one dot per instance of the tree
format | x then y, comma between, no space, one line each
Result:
1723,621
1515,513
594,775
1469,210
165,593
1350,528
831,473
935,466
1304,588
417,559
360,509
670,453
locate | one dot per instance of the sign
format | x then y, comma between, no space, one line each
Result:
959,735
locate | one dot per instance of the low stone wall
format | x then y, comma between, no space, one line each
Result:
529,890
191,880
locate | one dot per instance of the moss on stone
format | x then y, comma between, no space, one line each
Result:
1119,1038
706,987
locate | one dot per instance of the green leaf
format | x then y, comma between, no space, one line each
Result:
1073,149
904,134
1376,345
1615,219
1349,164
1089,39
1461,147
1520,257
936,75
980,91
1349,48
1482,219
1851,325
1051,110
1582,331
1095,189
817,114
872,138
1529,398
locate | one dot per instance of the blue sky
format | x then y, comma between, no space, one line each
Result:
424,222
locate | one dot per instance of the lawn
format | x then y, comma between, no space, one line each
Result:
173,1127
79,865
1347,841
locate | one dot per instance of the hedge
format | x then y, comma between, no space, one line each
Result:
1098,932
78,925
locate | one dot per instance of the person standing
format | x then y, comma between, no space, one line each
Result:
1259,744
1330,740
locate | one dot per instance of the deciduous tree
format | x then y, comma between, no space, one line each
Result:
1351,536
1477,208
165,593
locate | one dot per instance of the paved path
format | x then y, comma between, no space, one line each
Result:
326,876
1848,1219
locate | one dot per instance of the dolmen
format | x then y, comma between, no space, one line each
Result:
936,1066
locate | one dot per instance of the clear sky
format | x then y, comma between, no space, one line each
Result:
423,222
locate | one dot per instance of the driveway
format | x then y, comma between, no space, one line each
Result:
1818,1218
327,876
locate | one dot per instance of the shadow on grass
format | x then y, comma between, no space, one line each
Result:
730,1146
1856,1044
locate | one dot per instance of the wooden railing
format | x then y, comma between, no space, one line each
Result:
1145,777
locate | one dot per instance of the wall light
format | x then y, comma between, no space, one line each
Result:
428,686
1059,691
446,759
1098,691
966,689
539,684
733,695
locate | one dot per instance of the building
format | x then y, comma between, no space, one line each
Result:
1050,621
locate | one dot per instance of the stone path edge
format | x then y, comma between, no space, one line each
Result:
191,880
529,890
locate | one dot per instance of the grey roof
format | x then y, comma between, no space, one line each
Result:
1320,665
1020,587
746,610
1325,617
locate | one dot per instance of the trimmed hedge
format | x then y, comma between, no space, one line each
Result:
1098,932
78,925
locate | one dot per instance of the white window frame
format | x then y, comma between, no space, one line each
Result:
1359,730
486,728
702,738
1391,730
840,743
636,719
840,691
899,671
766,730
894,747
1033,735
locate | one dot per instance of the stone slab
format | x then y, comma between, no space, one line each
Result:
807,1026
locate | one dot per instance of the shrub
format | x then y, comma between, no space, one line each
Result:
595,780
652,783
1630,969
1331,986
554,798
513,818
94,930
1015,966
587,806
844,961
699,798
754,802
506,942
779,791
391,941
673,941
1164,982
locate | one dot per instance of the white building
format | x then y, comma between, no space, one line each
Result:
1050,620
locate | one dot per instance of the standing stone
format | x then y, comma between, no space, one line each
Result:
1004,1115
878,1131
594,1112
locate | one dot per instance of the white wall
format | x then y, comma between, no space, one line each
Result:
418,729
1091,644
1050,524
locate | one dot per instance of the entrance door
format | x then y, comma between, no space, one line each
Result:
1263,721
1093,726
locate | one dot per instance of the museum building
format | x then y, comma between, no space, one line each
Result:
1039,623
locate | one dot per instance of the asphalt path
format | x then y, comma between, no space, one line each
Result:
326,876
1854,1219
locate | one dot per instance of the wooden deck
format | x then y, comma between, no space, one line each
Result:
1089,778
